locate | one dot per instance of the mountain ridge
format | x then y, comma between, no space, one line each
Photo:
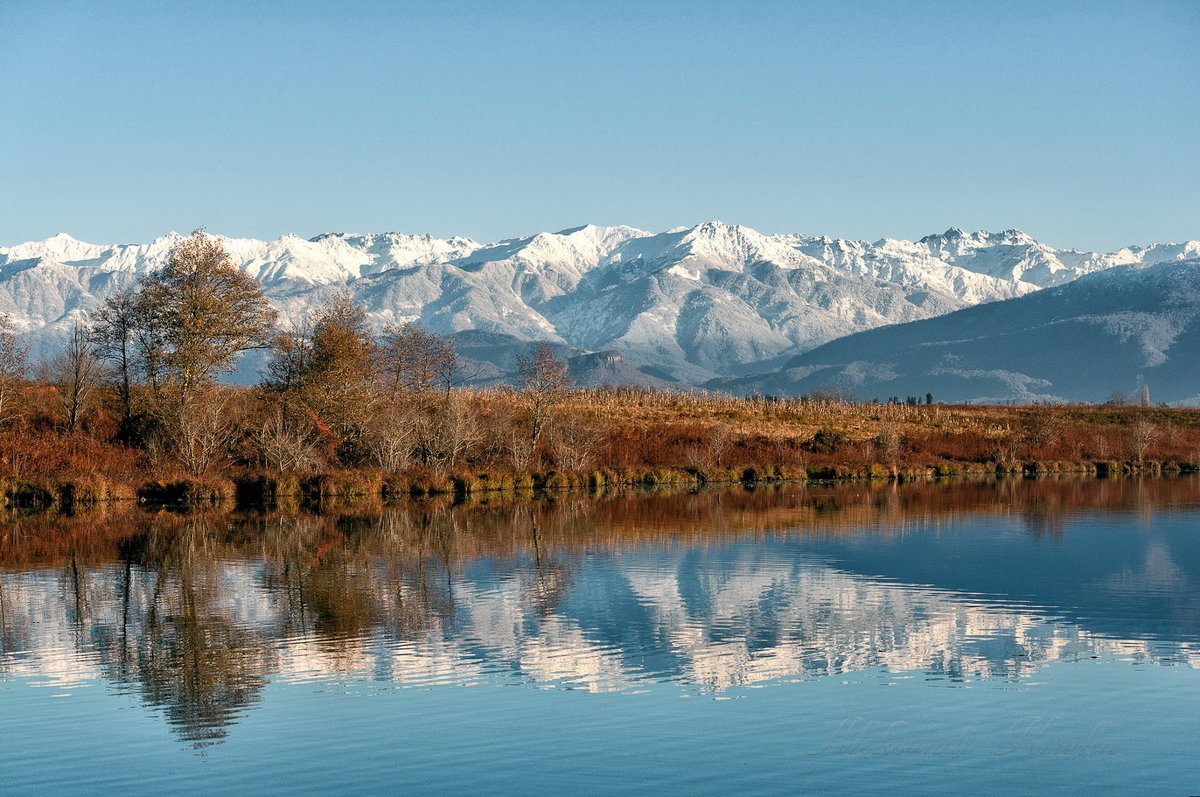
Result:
694,303
1111,331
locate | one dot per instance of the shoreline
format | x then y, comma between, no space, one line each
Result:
257,489
472,442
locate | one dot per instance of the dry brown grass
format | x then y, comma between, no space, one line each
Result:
611,436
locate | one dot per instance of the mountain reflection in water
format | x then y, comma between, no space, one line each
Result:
195,613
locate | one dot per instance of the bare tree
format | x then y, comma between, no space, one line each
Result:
453,371
391,435
501,434
460,430
283,448
446,430
414,359
74,374
520,450
1008,452
574,444
544,379
200,436
711,446
288,367
1140,436
14,363
720,437
1044,425
113,337
888,446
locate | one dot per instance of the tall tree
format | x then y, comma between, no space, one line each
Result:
193,317
74,374
412,359
326,365
114,336
342,360
197,314
288,368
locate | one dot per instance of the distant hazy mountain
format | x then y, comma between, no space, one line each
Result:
1117,330
683,306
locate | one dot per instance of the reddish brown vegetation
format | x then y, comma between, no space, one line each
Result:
467,441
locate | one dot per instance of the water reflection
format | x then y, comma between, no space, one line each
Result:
711,591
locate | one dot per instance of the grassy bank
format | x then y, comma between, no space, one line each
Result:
592,440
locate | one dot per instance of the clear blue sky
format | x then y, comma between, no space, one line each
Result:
1077,122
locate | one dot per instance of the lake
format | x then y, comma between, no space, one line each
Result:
986,637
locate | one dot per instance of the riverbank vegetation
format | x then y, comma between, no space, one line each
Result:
134,408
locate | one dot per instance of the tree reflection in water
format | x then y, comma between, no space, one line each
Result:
196,612
177,643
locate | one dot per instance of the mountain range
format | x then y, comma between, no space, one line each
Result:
683,307
1108,333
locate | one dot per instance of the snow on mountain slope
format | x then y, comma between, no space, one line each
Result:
1119,329
693,303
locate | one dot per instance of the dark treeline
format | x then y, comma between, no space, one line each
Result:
134,405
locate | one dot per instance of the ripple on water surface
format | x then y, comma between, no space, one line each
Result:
772,641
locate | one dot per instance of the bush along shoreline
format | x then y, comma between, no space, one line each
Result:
281,490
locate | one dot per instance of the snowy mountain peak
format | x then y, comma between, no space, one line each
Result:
1013,235
720,231
731,245
956,235
689,303
59,248
599,231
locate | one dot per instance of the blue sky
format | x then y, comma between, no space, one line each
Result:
1077,122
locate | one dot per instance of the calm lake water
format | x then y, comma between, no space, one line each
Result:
991,638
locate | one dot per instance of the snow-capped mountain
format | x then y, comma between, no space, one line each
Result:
1117,330
691,303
